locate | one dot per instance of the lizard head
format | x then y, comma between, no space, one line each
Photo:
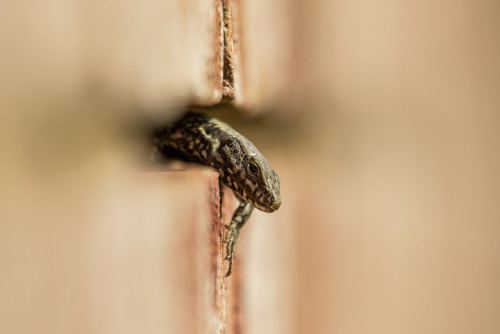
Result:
250,176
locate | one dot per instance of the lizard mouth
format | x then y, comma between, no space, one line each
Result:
275,205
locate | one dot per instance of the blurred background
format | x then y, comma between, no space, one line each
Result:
381,118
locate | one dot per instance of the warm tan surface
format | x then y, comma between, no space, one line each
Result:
383,125
134,258
151,54
401,212
396,183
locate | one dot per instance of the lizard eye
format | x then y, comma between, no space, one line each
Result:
252,169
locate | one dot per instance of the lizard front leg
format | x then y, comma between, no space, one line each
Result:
240,217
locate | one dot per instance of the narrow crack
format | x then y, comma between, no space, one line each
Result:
228,64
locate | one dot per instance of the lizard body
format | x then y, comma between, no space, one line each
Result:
241,167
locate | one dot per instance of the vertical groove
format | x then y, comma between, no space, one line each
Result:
228,64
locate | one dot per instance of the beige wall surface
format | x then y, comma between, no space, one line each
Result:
381,118
402,195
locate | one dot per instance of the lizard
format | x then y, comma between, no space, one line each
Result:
202,139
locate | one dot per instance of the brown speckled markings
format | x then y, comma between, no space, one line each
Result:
199,138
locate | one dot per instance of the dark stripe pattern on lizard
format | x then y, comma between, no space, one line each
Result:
241,167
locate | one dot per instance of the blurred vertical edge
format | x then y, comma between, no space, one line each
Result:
123,52
383,126
87,243
143,256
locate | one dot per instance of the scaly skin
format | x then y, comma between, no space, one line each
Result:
200,138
